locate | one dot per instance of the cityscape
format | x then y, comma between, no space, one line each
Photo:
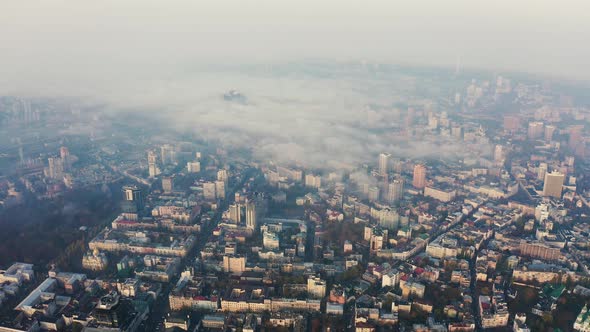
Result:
314,195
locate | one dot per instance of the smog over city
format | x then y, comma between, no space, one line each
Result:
294,165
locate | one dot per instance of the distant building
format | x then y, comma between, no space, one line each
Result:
193,167
395,190
168,154
412,289
419,180
220,189
17,273
373,194
251,216
95,261
536,130
213,321
133,201
540,250
234,264
313,181
347,247
55,169
499,154
64,154
209,191
553,184
223,175
168,184
511,123
549,132
235,213
112,311
492,313
440,194
316,287
177,322
384,163
153,169
270,240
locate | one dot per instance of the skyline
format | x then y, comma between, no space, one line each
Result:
294,166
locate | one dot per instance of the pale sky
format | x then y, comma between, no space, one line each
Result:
68,42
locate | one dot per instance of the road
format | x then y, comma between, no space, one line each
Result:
473,286
155,321
115,169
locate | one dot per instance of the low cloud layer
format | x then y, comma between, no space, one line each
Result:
296,118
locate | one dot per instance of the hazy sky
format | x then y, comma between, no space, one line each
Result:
78,44
143,55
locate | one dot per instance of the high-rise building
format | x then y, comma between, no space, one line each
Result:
153,168
168,184
395,190
549,131
220,189
499,154
419,180
56,168
193,167
27,112
388,219
168,154
256,208
373,194
209,191
542,212
536,130
235,213
313,181
384,163
511,123
553,184
133,201
64,154
542,171
222,175
251,215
